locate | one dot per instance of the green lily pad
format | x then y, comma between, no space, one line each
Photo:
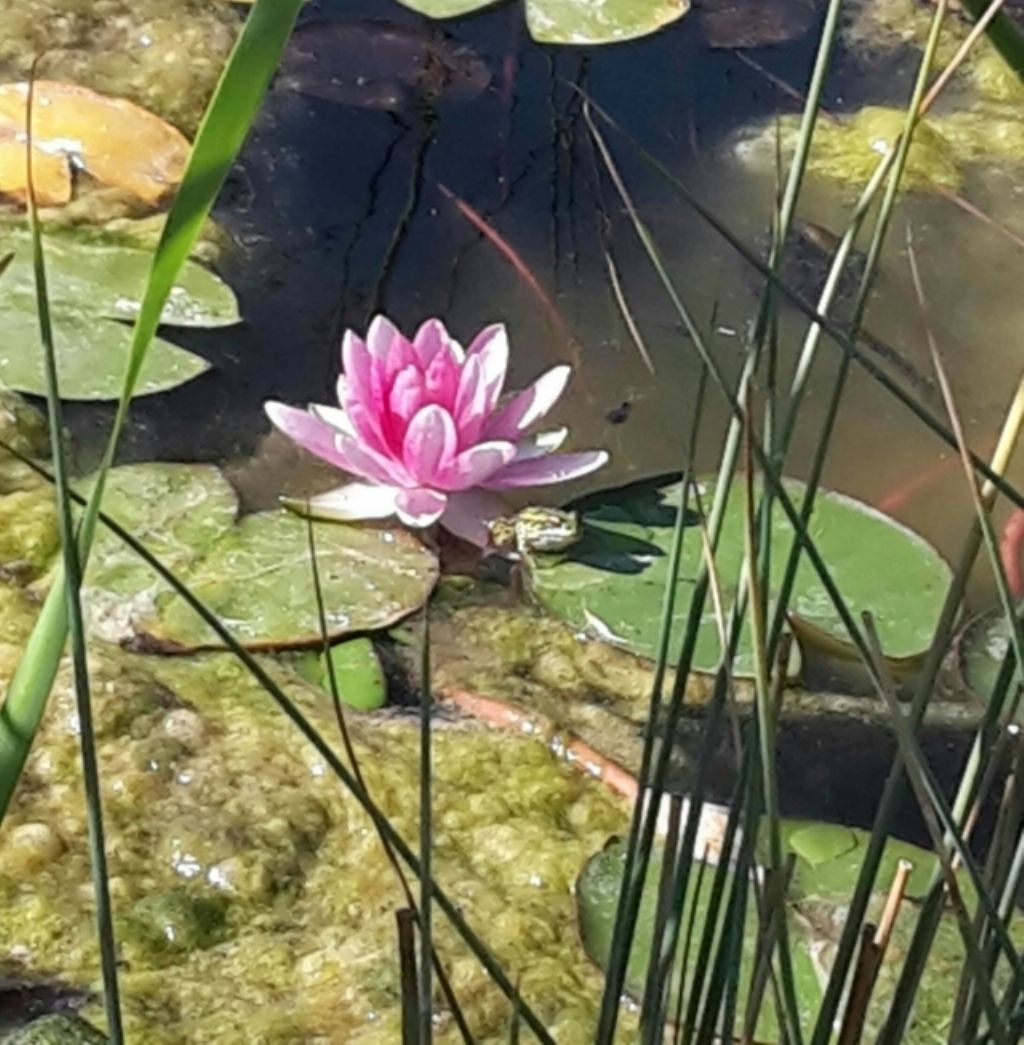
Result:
91,357
578,22
982,649
258,579
613,580
597,890
92,284
177,511
822,883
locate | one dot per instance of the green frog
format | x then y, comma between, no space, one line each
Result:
535,529
532,529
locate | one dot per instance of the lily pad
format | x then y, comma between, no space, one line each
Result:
177,511
579,22
91,358
613,580
92,284
258,579
822,884
357,671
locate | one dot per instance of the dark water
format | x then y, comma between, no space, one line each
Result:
338,212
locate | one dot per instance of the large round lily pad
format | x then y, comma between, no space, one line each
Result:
574,21
613,580
254,573
258,579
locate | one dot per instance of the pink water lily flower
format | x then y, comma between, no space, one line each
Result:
424,426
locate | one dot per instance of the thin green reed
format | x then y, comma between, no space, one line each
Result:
79,642
225,125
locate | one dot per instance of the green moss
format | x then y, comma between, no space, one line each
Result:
57,1030
29,534
165,55
249,817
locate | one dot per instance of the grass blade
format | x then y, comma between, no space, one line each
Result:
73,608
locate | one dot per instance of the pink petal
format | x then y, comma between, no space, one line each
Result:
349,503
541,444
471,467
529,406
356,360
542,471
490,346
469,410
429,443
468,514
365,461
309,432
430,339
419,506
400,355
334,416
441,379
407,395
381,335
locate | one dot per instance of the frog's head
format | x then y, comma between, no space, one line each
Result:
547,529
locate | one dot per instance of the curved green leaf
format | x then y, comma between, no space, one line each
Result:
613,580
446,8
91,356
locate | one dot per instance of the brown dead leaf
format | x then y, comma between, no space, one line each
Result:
116,141
51,173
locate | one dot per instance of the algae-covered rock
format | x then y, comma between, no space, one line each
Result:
57,1029
848,150
29,534
250,816
165,55
173,924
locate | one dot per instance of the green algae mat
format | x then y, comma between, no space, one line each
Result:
613,581
254,573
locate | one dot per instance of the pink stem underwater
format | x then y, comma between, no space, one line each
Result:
1010,552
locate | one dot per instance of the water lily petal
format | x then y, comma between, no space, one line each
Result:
364,461
430,339
469,409
430,443
542,471
351,502
490,346
527,407
468,513
381,335
471,467
541,444
334,416
312,434
355,358
441,379
420,506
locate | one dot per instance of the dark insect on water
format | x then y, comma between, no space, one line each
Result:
619,414
378,65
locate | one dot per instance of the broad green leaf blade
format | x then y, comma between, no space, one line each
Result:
92,278
91,356
586,22
359,674
612,581
259,580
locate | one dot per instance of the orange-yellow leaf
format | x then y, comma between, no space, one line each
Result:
117,142
51,173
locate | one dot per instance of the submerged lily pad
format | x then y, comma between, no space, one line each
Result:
613,580
259,580
90,285
576,22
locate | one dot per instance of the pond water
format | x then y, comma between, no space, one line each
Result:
339,211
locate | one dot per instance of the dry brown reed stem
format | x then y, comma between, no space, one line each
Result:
874,941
